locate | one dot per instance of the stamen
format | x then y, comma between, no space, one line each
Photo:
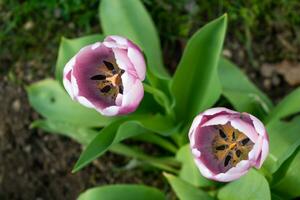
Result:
227,159
106,89
238,153
222,134
233,136
121,89
222,147
245,141
98,77
109,65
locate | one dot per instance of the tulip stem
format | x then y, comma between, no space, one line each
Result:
161,98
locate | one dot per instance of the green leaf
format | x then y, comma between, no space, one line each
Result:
80,134
189,171
284,139
68,48
241,92
129,18
251,186
120,130
288,106
186,191
122,191
289,183
158,140
164,163
195,84
49,99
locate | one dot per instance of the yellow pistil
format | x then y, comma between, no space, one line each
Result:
231,146
115,79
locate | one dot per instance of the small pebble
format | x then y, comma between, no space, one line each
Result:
16,105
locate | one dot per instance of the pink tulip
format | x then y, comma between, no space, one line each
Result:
226,144
107,76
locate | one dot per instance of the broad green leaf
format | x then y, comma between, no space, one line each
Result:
251,186
289,184
122,191
284,139
288,106
129,18
49,99
186,191
68,48
189,172
158,140
164,163
80,134
120,130
195,84
241,92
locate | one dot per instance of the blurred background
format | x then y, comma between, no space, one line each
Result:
263,38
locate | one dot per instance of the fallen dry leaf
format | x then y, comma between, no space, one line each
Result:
290,72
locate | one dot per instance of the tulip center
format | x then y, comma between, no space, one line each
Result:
108,80
230,146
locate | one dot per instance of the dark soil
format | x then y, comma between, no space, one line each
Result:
37,165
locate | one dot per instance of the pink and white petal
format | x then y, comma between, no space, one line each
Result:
132,98
124,62
115,45
196,153
264,152
258,125
194,126
203,169
218,120
255,153
118,39
109,111
234,173
244,127
69,66
96,45
213,111
68,85
74,85
84,101
137,59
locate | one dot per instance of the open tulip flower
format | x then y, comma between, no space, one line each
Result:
107,76
226,144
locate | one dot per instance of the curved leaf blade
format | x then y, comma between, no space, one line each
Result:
189,172
131,19
242,94
49,99
289,183
186,191
68,48
284,139
251,186
122,191
120,130
195,84
288,106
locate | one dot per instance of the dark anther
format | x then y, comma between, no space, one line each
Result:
98,77
245,141
109,65
121,89
122,71
227,159
233,136
105,89
221,147
238,153
222,134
